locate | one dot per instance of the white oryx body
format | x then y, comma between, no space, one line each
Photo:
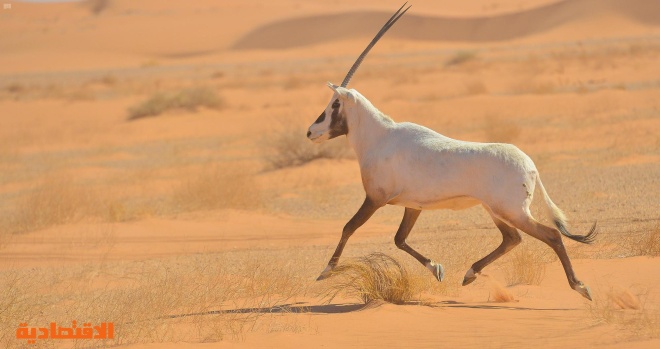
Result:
409,165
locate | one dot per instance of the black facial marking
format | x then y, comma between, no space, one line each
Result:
320,118
338,125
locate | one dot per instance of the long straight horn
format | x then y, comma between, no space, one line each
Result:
395,17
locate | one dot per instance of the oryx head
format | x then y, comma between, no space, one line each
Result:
332,121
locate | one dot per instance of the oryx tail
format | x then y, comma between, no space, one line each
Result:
559,218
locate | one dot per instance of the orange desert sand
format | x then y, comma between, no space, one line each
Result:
205,226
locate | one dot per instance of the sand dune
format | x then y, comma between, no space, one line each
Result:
323,28
181,229
69,37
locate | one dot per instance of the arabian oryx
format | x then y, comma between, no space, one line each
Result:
412,166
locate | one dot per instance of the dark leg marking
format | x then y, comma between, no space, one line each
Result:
409,219
407,223
552,237
363,214
510,239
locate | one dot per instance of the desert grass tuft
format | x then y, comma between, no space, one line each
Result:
188,99
287,146
461,57
526,267
55,201
97,7
200,298
215,187
16,305
649,243
644,243
627,311
374,277
16,88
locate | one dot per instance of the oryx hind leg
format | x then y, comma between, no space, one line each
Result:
407,223
551,237
510,239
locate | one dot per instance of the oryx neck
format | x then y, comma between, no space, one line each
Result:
366,126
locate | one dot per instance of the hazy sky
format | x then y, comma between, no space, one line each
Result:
48,0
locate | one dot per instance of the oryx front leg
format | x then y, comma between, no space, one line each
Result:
409,219
363,214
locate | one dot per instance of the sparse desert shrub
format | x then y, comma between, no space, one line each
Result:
55,201
526,267
374,277
215,187
16,303
189,99
645,243
219,74
625,310
124,209
288,147
97,6
461,57
16,88
116,212
107,79
650,243
200,298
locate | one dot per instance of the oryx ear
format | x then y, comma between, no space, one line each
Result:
342,92
333,86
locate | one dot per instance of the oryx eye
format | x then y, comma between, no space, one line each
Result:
335,105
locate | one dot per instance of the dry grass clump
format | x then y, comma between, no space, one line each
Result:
526,267
59,200
216,187
648,244
376,276
644,243
114,211
461,57
117,206
97,6
625,310
16,88
55,201
16,305
189,99
288,147
199,298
